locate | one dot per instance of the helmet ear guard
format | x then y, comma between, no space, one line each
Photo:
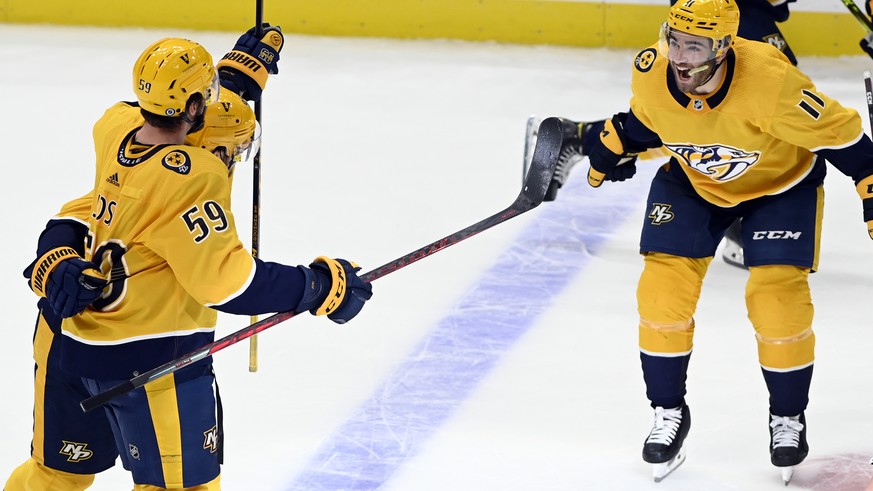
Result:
169,71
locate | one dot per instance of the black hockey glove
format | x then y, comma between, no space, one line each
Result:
246,68
865,191
608,158
68,282
866,44
334,288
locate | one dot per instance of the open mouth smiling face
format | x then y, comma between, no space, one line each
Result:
692,58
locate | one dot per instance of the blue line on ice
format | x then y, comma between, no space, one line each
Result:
445,368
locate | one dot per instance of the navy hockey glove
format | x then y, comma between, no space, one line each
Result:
608,158
68,282
334,288
867,44
865,190
246,68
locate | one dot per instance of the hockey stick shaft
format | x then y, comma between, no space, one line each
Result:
532,193
256,192
868,88
859,15
250,331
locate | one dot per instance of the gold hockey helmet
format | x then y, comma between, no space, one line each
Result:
718,20
230,124
169,71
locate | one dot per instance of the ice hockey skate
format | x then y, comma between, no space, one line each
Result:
788,445
570,155
732,253
664,446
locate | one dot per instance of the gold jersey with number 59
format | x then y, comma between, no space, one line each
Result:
161,230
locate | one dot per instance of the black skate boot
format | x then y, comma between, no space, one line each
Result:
663,447
788,445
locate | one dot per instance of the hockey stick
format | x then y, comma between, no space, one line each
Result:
860,16
256,192
868,87
537,182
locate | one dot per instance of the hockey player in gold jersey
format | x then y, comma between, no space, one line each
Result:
748,134
159,229
758,22
230,133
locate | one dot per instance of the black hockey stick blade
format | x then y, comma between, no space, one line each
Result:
545,158
542,167
859,16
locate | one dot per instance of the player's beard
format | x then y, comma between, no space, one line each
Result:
689,78
198,121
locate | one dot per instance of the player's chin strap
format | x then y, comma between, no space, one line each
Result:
198,121
706,65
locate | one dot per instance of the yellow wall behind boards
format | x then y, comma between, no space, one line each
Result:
556,22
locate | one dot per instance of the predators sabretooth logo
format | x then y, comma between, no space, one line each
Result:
719,162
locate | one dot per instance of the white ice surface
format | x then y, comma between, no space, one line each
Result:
373,148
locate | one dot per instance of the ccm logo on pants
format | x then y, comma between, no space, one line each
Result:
775,234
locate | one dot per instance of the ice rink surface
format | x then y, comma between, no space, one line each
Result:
507,362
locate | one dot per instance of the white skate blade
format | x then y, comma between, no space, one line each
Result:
787,474
660,471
